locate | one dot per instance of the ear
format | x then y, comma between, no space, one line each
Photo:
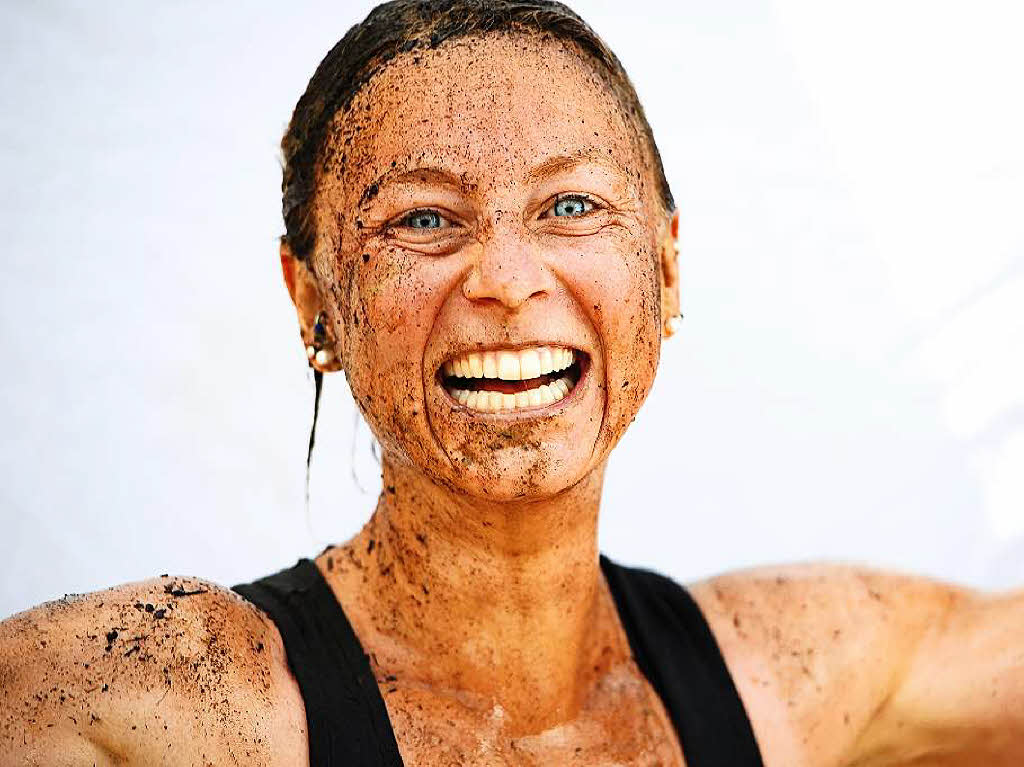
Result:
305,294
670,271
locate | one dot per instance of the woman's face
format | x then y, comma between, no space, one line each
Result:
490,247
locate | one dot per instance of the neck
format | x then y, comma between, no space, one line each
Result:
500,601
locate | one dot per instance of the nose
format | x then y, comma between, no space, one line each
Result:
508,270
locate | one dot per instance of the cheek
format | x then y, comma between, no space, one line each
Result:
395,299
639,326
391,303
634,332
618,286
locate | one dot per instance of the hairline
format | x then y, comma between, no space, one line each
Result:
334,126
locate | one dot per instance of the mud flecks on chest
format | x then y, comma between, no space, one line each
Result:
622,723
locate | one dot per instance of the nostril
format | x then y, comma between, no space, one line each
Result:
511,292
508,275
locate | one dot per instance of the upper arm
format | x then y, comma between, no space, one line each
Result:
962,692
135,672
817,652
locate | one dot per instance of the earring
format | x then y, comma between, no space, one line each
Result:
672,325
316,350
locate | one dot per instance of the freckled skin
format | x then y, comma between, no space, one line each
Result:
475,586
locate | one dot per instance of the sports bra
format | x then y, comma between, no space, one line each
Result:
348,721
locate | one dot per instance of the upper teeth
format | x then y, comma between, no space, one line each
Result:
518,365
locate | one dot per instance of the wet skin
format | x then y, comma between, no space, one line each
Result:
475,585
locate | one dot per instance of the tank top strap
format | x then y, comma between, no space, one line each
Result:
675,649
347,720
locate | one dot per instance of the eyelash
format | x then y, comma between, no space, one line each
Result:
584,198
400,222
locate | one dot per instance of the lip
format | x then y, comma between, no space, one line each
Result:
583,359
510,348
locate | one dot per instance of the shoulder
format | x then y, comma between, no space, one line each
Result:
816,649
167,665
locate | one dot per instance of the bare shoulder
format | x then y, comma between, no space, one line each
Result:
815,650
175,669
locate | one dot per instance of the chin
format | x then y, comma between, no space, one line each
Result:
518,424
521,472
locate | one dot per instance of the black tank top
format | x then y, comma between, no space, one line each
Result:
348,721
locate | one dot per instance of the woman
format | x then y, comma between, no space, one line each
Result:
479,233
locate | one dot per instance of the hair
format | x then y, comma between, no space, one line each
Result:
400,26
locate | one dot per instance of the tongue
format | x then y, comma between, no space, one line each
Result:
506,387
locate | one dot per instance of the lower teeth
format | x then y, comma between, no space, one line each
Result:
496,400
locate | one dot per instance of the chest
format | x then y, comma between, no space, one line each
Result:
622,722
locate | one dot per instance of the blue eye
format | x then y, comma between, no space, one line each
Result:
573,205
423,219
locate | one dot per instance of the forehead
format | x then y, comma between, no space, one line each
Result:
489,108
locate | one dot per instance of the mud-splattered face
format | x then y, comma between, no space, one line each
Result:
487,237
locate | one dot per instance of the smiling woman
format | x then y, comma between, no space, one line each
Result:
480,235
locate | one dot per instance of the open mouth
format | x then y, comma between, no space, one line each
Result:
514,379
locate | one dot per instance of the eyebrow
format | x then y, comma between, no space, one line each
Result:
552,166
563,163
398,175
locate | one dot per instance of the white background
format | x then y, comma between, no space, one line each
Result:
848,383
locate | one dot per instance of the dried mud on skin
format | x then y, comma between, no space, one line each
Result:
360,271
183,649
157,661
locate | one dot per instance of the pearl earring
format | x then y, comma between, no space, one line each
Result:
316,350
672,325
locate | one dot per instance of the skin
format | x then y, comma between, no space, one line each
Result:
475,586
